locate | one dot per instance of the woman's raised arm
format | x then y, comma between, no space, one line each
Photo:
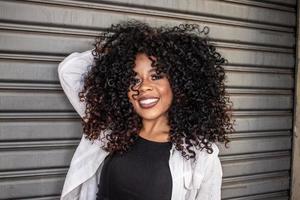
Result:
71,73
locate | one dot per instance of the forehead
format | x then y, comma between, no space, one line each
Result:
143,64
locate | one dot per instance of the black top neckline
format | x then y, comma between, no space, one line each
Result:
153,142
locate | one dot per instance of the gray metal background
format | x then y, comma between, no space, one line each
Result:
39,129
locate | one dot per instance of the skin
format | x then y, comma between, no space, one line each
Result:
155,119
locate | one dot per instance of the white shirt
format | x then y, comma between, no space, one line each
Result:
200,180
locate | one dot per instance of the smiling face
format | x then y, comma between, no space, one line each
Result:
155,93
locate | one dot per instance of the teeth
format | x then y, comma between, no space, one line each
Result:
148,101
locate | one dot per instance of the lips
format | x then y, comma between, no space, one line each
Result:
148,102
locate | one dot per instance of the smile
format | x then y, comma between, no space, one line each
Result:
148,103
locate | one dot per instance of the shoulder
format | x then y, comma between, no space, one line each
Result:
90,149
205,160
203,153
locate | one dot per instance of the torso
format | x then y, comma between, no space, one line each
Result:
141,173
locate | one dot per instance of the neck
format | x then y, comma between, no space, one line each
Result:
157,129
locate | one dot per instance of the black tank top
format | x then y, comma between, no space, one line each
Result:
142,173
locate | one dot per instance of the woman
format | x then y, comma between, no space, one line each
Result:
153,105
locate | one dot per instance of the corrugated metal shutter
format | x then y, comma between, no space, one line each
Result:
39,129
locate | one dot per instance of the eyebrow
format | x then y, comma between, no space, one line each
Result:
151,70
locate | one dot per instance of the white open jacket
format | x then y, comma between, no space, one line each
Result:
200,180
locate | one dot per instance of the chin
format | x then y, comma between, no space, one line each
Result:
151,116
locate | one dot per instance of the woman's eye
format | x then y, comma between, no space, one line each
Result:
155,77
137,80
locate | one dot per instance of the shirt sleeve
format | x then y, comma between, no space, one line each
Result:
210,188
71,73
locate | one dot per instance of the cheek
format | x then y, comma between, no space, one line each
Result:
129,94
170,97
131,97
166,91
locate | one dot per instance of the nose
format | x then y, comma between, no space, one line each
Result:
145,85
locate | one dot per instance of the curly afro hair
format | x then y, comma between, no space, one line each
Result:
200,113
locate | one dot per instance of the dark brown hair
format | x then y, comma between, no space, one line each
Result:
200,112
